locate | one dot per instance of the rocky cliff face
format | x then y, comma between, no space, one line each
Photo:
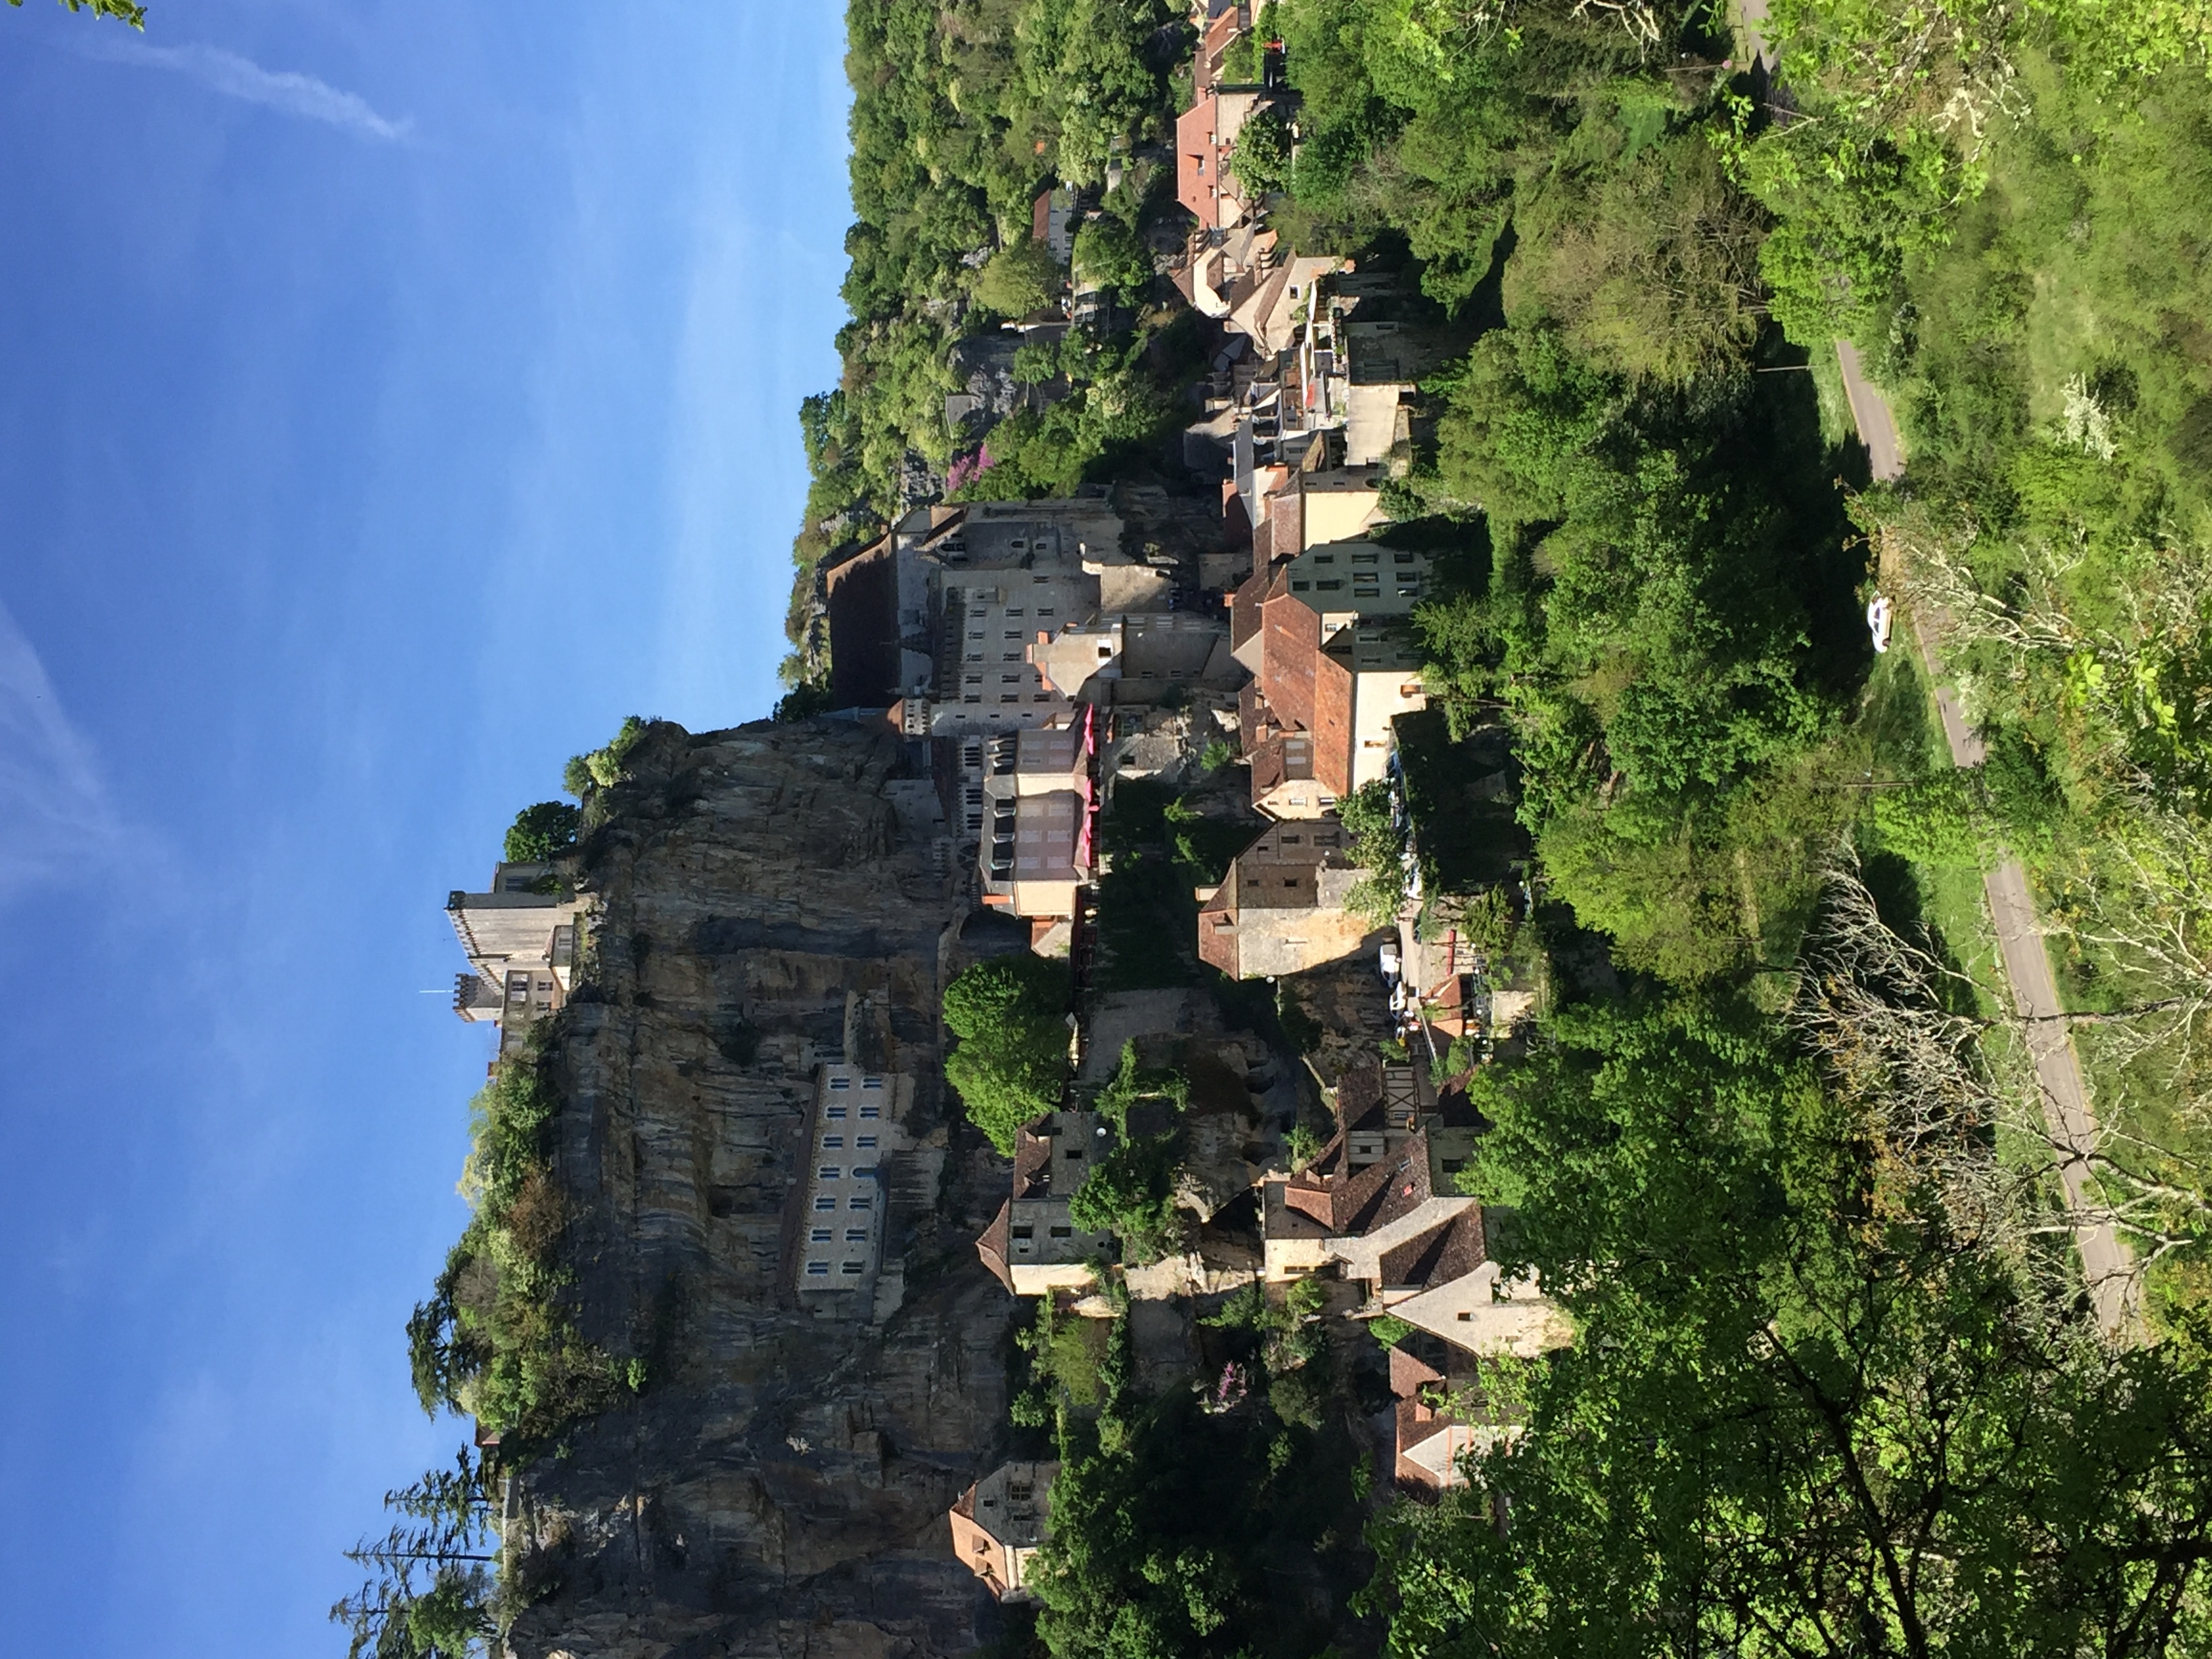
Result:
767,896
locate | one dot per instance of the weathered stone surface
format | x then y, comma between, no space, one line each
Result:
780,1488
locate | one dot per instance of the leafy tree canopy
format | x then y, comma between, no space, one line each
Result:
1009,1064
542,832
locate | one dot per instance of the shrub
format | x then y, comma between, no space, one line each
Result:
1389,1330
497,1340
1129,1193
603,767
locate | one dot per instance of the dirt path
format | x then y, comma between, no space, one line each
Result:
2107,1266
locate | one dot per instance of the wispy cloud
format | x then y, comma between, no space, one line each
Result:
54,813
235,77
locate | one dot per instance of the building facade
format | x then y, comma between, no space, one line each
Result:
1033,1245
520,939
999,1523
854,1128
1280,908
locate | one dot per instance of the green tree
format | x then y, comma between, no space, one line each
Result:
429,1590
541,833
1813,1406
1648,261
122,10
1130,1193
1018,279
1009,1063
1261,161
1109,253
604,767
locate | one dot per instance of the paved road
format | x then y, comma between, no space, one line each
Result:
1751,18
2107,1266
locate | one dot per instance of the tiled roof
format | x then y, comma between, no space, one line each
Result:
1378,1194
1267,766
1032,1162
1438,1256
992,1243
1359,1096
1408,1373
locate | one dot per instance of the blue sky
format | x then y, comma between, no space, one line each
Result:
396,395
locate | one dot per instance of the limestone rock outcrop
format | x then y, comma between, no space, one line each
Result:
779,1487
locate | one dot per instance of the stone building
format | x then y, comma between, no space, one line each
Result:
1033,1244
1034,820
1000,1522
1279,909
1325,634
1136,657
856,1119
939,614
521,941
1380,1206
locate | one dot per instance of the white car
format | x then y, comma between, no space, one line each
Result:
1878,621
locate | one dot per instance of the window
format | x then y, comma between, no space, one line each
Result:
1013,611
871,1085
854,1269
854,1235
841,1083
825,1203
829,1172
1324,558
1040,580
1013,633
1300,587
1023,1232
1330,585
973,696
1063,1233
817,1270
1043,609
821,1235
868,1173
830,1143
1287,841
1011,696
872,1111
1075,1154
833,1111
864,1141
862,1202
1369,557
1466,1317
975,656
